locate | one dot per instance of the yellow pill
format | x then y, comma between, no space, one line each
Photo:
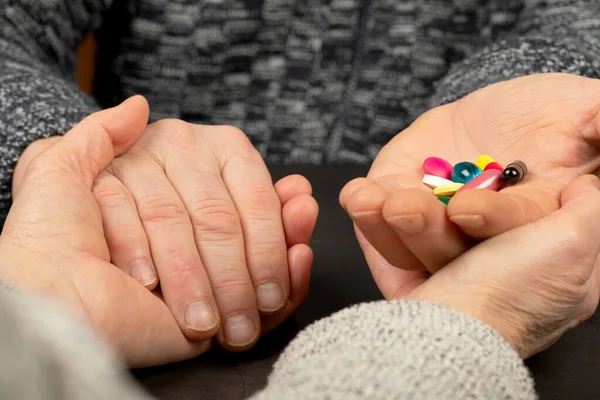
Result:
447,190
483,161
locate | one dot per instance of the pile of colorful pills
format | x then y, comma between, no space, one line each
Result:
446,179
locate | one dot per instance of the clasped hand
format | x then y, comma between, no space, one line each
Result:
190,207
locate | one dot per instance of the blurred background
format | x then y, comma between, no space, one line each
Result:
85,70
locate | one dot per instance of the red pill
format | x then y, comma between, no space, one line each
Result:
494,165
490,179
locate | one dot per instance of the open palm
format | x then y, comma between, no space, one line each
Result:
549,121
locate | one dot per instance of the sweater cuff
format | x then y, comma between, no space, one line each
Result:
47,353
33,106
514,57
399,350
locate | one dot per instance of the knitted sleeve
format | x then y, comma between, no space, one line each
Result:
399,350
549,36
380,350
38,93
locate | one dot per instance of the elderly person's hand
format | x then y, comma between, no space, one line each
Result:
532,283
194,208
54,244
549,121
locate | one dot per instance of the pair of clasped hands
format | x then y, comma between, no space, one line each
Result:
167,236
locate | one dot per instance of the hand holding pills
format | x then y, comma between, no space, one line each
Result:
484,174
550,122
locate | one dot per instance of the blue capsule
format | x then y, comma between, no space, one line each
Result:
463,172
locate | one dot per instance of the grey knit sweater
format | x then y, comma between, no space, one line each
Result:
400,350
309,81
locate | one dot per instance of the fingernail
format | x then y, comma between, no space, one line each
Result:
413,223
239,330
200,316
468,220
143,273
270,296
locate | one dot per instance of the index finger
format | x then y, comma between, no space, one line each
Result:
394,283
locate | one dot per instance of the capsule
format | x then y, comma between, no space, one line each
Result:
437,167
514,172
494,165
483,161
490,179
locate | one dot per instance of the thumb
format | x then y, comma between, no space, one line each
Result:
584,189
579,211
568,236
93,143
55,195
577,219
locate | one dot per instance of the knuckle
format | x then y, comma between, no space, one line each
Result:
125,244
160,209
266,250
240,142
263,203
174,131
574,242
182,264
214,215
108,191
234,133
232,283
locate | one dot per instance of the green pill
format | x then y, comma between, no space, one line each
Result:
444,200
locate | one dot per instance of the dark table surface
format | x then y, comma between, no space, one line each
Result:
340,277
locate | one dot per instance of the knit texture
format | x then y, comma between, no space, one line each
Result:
46,354
400,350
315,81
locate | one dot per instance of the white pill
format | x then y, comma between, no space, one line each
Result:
435,181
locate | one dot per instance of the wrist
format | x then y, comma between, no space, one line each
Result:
483,307
29,154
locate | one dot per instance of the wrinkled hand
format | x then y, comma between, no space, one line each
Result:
533,283
549,121
53,242
195,206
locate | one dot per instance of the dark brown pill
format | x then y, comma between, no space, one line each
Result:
514,172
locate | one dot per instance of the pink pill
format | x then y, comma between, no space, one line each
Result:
490,179
438,167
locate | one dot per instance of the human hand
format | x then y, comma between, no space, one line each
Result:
533,283
549,121
195,206
53,242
